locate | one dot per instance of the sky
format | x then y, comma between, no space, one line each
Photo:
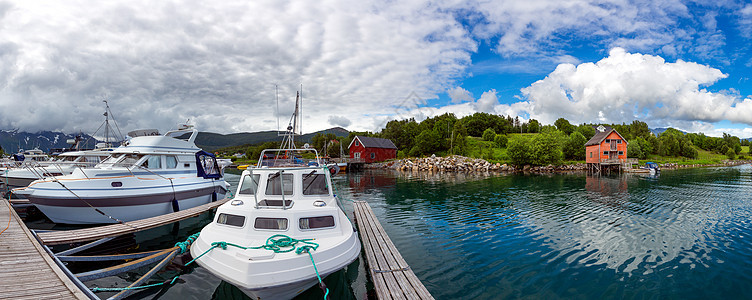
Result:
222,65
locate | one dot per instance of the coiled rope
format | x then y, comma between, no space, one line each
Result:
279,243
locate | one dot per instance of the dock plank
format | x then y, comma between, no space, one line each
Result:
95,233
28,271
392,276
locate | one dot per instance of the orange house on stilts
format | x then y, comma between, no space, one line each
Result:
606,151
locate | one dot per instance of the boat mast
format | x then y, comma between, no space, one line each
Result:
293,127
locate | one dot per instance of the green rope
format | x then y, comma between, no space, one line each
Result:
279,243
184,246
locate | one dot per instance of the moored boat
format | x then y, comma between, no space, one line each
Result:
146,177
65,163
281,202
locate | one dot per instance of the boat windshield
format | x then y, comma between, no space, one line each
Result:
249,184
274,185
130,159
112,159
315,184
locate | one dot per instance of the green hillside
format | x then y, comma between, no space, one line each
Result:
210,141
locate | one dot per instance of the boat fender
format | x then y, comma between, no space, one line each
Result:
214,197
175,205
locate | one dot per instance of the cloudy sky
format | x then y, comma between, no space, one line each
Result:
684,64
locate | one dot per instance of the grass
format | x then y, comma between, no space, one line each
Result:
478,148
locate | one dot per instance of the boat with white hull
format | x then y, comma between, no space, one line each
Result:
65,163
146,177
282,203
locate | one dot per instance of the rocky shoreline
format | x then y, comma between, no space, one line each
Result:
456,163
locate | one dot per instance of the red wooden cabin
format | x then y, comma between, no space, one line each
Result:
606,148
371,149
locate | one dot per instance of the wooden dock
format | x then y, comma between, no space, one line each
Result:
390,273
27,271
100,232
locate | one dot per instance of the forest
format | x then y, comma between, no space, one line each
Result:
519,142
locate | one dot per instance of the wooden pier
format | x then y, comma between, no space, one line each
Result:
390,273
27,271
100,232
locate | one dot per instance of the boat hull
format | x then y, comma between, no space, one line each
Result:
81,210
266,279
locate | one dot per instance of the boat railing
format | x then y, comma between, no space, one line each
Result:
268,203
280,158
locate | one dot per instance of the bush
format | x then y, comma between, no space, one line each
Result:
518,151
501,140
546,149
489,135
731,154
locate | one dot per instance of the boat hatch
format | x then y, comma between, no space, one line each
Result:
207,166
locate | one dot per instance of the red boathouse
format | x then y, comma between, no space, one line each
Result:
371,149
606,150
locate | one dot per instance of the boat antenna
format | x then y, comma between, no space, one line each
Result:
300,112
276,92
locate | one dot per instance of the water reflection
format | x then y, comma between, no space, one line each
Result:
569,235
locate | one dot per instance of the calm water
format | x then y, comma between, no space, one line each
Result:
685,234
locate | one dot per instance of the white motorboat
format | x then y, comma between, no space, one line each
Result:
146,177
65,163
282,200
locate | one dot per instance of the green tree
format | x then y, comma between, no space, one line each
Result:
533,126
575,146
731,154
489,134
501,141
586,130
427,142
519,151
546,149
564,126
634,150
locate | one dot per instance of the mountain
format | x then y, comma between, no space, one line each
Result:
13,140
657,131
210,141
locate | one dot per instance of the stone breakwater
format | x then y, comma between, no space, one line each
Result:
456,163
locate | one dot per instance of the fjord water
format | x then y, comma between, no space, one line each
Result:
686,234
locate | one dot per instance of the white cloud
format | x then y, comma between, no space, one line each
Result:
459,95
487,102
218,63
627,86
339,121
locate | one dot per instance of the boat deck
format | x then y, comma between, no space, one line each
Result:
27,271
390,273
100,232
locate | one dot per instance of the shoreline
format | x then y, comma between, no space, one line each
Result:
456,163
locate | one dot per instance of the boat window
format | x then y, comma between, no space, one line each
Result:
315,184
153,162
130,159
232,220
112,159
248,184
270,223
274,185
317,222
68,158
171,162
